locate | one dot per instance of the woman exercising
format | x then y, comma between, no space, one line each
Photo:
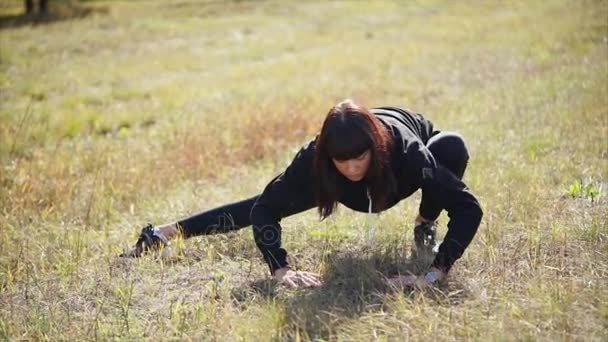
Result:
368,160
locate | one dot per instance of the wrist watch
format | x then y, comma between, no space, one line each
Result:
431,277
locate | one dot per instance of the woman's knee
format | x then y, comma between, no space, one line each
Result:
450,150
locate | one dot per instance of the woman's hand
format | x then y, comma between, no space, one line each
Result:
409,281
419,282
291,278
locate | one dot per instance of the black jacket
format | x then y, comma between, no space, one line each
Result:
414,168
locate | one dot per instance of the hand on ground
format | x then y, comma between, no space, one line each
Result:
294,279
409,281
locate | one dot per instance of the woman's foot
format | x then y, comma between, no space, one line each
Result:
150,239
425,234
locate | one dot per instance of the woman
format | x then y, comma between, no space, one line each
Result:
368,160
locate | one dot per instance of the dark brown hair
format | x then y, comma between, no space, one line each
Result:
348,131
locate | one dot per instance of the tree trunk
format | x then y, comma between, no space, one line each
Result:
29,6
44,6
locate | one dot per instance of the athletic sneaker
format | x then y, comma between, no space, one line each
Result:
425,235
149,240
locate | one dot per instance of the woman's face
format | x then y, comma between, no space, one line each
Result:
356,168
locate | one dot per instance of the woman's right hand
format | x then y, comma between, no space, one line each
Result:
288,277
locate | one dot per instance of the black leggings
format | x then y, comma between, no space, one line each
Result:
448,149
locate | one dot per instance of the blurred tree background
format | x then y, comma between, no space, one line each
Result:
43,6
17,13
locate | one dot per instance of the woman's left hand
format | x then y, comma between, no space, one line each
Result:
416,281
409,281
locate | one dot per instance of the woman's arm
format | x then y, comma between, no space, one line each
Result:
441,189
463,210
287,194
465,215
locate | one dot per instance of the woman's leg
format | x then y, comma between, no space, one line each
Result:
450,150
226,218
222,219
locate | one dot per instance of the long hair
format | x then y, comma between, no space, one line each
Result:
348,131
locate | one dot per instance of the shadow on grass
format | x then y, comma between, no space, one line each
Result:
354,284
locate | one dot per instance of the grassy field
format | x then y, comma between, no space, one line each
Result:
149,111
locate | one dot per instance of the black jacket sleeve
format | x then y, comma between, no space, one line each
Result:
288,193
448,192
